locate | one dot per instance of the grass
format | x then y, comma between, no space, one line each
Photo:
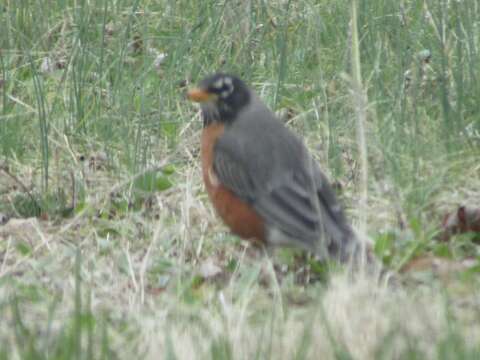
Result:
113,250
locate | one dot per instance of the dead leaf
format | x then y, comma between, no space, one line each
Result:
208,269
159,60
136,45
3,218
21,229
98,160
285,114
464,219
437,265
47,66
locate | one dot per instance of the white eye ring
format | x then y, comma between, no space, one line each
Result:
218,84
225,93
225,83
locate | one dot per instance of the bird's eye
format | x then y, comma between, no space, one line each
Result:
218,85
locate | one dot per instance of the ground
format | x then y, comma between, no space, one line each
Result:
109,247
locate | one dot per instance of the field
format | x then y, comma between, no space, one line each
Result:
109,247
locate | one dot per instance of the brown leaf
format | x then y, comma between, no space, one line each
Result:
464,219
437,265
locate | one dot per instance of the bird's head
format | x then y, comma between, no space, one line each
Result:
221,96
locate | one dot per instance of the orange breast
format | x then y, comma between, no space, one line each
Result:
238,215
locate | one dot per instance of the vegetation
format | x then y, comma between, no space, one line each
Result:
112,249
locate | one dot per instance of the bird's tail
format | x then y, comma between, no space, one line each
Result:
346,246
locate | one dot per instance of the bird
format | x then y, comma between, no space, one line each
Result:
260,177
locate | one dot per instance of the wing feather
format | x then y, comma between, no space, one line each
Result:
290,193
233,174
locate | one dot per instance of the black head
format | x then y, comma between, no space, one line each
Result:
222,97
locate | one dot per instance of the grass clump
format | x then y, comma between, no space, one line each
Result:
99,157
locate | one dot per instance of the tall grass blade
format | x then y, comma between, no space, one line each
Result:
360,104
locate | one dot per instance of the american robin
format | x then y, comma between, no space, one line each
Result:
260,177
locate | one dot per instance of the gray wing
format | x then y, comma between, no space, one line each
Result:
299,204
232,173
304,207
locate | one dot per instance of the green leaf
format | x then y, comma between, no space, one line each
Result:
161,266
168,169
232,265
320,268
163,183
146,182
170,129
443,250
384,247
23,248
108,232
152,181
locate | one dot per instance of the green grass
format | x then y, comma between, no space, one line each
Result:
98,143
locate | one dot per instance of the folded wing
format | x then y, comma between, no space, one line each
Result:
298,203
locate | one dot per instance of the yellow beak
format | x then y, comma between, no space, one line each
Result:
199,95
